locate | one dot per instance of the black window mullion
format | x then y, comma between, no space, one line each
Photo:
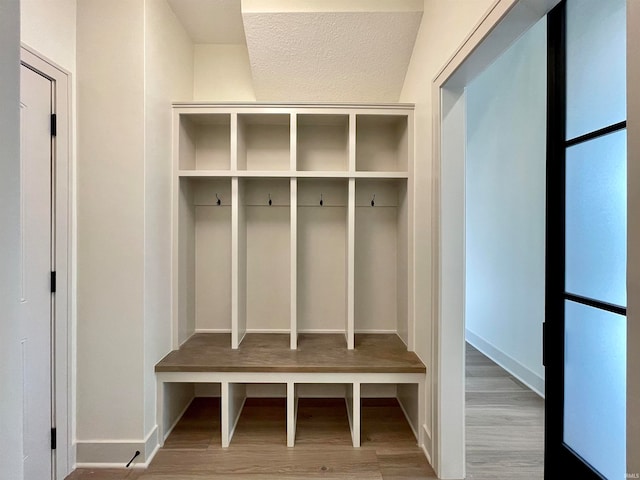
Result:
591,302
596,134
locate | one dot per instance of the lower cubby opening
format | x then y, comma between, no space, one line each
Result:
383,422
256,414
263,421
199,426
288,414
390,416
322,421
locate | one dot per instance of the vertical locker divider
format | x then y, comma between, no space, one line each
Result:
408,231
238,241
175,235
351,234
235,265
351,224
293,241
235,134
294,262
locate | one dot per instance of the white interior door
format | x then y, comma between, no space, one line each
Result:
36,266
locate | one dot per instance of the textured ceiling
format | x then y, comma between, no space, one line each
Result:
330,56
313,50
210,21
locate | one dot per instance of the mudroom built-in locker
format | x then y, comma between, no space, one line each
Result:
291,258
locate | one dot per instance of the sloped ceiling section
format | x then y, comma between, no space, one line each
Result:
210,21
338,56
350,56
313,50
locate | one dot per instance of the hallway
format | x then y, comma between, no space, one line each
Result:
504,423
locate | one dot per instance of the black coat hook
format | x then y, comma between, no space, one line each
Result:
373,200
218,201
321,201
270,202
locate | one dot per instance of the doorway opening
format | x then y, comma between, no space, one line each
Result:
500,28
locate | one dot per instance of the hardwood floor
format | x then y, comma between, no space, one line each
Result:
504,423
258,449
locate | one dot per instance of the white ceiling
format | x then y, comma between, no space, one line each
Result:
312,50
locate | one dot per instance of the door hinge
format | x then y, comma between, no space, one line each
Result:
54,125
53,282
53,439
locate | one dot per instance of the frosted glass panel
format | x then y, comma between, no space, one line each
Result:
596,86
596,219
595,387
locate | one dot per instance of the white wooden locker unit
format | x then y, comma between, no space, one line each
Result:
292,219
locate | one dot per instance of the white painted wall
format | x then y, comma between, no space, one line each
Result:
10,354
222,73
505,208
168,56
49,27
111,189
444,26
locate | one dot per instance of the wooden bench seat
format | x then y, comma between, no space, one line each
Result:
267,358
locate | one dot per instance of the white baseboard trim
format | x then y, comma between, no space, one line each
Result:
286,330
428,444
117,453
321,330
406,415
108,453
268,330
511,365
118,466
151,446
426,454
150,456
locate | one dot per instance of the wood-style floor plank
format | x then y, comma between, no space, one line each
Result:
323,422
323,446
504,440
504,424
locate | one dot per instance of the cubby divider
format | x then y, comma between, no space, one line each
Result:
233,398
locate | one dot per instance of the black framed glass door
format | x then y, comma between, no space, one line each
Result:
585,326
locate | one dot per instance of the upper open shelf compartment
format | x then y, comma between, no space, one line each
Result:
264,142
204,142
229,141
323,142
381,143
